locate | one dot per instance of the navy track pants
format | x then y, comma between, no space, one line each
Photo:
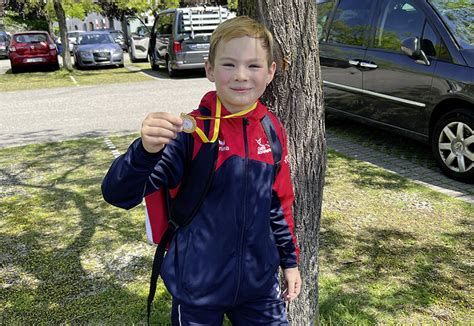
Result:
265,311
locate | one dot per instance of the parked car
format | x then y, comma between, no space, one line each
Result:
179,38
32,48
138,39
404,65
73,37
4,44
117,36
97,49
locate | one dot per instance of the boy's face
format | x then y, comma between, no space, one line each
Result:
240,72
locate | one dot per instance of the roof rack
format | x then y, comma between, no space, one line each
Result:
203,18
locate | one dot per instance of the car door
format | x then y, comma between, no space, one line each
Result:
398,87
343,42
138,38
161,35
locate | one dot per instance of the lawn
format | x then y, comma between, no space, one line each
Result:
62,78
391,251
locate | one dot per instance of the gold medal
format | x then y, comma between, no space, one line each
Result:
189,123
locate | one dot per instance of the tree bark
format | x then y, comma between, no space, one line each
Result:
58,8
2,15
296,96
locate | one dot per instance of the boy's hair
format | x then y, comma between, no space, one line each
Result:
239,27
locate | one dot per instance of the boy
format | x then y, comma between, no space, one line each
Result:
226,261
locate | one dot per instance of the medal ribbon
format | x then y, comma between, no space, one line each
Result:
217,121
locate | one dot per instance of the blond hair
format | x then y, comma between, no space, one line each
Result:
239,27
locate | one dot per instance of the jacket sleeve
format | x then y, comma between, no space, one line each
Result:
281,214
138,173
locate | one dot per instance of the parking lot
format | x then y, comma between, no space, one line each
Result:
64,113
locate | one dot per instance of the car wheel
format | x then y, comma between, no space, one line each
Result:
153,65
55,67
453,144
15,70
121,65
171,72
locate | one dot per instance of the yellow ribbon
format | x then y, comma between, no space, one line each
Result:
217,122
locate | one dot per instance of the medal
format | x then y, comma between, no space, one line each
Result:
189,123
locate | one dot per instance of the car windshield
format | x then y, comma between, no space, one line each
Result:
115,34
31,38
458,16
95,39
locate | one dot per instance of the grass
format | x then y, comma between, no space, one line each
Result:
391,251
62,78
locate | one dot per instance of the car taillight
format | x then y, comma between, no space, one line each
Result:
177,47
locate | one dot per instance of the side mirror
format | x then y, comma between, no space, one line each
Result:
412,47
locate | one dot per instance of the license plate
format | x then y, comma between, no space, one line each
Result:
34,60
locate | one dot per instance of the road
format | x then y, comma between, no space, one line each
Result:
4,65
37,116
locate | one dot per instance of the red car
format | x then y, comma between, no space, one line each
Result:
32,48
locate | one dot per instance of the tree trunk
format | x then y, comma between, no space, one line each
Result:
58,8
2,15
124,25
296,96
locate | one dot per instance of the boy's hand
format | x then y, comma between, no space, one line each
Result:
158,129
293,283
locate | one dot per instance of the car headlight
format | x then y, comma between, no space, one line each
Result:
118,51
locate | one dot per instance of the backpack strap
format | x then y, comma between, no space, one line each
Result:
274,141
188,200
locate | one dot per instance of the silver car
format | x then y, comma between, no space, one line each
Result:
97,49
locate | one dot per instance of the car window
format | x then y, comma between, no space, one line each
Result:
3,38
458,17
398,20
164,24
432,44
350,21
95,39
323,11
31,38
143,31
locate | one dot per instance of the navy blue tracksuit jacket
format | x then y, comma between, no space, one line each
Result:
244,229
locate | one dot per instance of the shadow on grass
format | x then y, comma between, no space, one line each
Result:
391,272
363,175
47,282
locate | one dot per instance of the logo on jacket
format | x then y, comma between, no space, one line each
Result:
262,148
222,146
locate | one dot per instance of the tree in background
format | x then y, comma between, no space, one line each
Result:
2,15
120,9
296,96
61,16
26,15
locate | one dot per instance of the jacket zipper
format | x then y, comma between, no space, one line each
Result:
245,124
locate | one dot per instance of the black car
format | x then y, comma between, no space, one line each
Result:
405,65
